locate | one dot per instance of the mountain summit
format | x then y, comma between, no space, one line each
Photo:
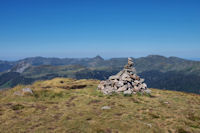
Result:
98,57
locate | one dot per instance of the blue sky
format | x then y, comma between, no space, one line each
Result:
110,28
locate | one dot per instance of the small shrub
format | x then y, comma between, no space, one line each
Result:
154,115
17,107
55,95
48,94
193,117
127,95
181,130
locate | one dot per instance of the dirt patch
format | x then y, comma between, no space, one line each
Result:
88,119
94,102
17,107
46,87
40,107
52,102
74,87
119,114
70,104
57,116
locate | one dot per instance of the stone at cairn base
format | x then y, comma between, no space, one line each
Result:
126,81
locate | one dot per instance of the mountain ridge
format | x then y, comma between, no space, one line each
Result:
152,67
39,60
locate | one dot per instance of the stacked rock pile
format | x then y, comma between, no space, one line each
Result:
126,81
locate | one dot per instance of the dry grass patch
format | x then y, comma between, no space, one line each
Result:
53,108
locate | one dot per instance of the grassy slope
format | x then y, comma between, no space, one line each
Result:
56,108
40,71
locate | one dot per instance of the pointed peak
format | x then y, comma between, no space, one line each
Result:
98,57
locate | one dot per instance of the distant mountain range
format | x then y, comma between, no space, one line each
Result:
160,72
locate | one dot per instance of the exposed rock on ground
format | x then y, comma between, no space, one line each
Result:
126,81
23,92
106,108
20,67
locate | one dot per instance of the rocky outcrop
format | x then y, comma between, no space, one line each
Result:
126,81
20,67
24,92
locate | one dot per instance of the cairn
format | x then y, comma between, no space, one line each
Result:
126,81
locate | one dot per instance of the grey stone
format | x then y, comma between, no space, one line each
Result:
144,86
148,91
27,91
130,62
141,80
126,77
129,85
136,89
166,102
128,92
123,88
101,86
133,76
17,93
114,77
136,82
120,84
106,108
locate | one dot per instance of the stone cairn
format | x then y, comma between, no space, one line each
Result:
126,81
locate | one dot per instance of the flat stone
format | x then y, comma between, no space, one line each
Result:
114,77
130,62
123,88
125,76
106,108
136,89
133,76
17,93
128,92
27,91
144,86
129,85
136,82
120,84
148,91
141,80
100,86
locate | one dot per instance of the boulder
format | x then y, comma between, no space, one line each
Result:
106,108
27,91
23,92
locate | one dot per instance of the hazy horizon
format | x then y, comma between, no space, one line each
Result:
105,58
108,28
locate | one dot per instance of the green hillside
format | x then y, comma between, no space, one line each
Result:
75,106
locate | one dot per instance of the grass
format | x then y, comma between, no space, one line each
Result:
74,106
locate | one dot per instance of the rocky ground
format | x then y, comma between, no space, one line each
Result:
76,106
